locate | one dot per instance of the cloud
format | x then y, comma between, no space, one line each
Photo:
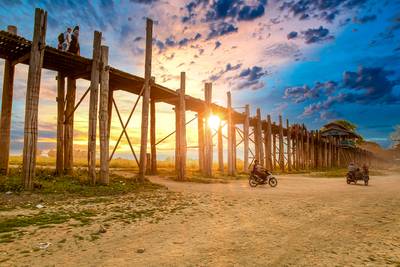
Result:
228,67
217,44
235,9
326,10
250,79
292,35
316,35
364,19
220,29
368,85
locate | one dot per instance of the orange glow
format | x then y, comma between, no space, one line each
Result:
214,122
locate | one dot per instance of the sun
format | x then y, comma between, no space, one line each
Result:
214,122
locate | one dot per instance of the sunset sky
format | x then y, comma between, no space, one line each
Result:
310,60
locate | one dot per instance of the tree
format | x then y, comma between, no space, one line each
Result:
346,124
395,136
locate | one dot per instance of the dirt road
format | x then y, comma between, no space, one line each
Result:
302,222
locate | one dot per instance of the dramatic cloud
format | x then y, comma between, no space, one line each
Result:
326,10
220,29
250,78
228,68
316,35
366,86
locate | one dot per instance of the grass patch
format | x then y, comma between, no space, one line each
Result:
44,219
218,177
341,173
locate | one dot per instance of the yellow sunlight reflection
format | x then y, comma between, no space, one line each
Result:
214,122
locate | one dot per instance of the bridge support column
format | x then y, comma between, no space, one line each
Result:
103,117
181,131
32,98
220,150
69,125
60,123
246,125
208,161
6,109
153,163
289,146
231,139
146,100
200,137
281,147
267,144
259,139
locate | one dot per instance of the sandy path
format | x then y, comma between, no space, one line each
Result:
302,222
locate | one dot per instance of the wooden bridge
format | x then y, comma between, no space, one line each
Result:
275,146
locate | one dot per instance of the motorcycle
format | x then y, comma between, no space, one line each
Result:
255,179
353,177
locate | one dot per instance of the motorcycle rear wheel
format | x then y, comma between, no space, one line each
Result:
252,181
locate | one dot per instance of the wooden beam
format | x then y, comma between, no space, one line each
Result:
21,59
289,146
274,150
69,126
32,98
246,125
200,137
94,95
60,123
208,161
281,147
146,99
103,117
6,109
181,131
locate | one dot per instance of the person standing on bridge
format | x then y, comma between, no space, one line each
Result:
64,40
74,46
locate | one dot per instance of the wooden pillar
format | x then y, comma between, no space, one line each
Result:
289,146
246,125
274,147
153,163
94,94
69,125
208,161
312,149
32,98
109,109
234,147
145,100
259,139
200,137
267,137
220,150
6,109
231,145
60,123
181,130
103,117
307,150
281,147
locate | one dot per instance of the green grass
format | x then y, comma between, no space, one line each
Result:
335,173
44,219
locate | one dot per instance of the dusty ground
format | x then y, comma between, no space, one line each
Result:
302,222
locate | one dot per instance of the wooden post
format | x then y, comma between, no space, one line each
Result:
153,163
274,147
32,98
312,149
103,117
281,148
259,139
182,130
208,161
220,150
231,169
307,154
60,123
200,137
246,125
289,146
69,125
6,109
109,109
301,148
267,137
94,95
146,99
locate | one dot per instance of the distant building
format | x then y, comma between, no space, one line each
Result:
346,137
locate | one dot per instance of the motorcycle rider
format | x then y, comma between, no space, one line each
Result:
259,170
352,169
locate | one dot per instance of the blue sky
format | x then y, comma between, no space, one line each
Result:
310,60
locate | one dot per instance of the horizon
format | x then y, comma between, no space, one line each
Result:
310,63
